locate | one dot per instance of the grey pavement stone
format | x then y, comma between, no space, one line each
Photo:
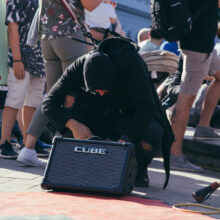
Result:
5,180
181,186
179,190
204,152
21,183
19,175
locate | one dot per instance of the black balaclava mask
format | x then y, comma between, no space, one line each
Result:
100,73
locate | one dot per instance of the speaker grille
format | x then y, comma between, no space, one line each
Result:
85,169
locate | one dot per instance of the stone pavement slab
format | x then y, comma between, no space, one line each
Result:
204,152
15,178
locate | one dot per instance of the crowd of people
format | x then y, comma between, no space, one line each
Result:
55,76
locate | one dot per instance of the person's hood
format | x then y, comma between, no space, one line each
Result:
120,51
99,72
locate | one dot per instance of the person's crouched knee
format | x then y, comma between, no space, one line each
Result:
146,146
153,138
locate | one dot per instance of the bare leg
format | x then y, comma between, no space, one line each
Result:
27,113
19,120
211,99
179,121
8,121
30,141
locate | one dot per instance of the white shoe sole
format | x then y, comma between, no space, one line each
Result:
185,169
206,138
29,163
8,157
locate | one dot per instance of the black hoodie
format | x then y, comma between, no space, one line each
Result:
134,89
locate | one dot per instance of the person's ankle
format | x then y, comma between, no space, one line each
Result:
29,147
203,125
31,140
176,153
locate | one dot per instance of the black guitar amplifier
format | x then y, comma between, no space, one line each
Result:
89,165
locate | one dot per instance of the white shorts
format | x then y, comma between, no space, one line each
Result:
26,92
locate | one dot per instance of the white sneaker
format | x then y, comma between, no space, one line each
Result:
182,163
29,158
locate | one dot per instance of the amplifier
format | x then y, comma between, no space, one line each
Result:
89,165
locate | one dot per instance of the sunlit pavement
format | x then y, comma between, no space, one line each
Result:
17,178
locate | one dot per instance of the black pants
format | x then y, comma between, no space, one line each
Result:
112,124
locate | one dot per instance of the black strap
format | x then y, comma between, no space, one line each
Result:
81,41
88,35
106,33
94,41
199,12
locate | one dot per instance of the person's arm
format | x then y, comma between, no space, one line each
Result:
14,43
114,19
90,5
119,29
54,104
13,17
70,82
140,90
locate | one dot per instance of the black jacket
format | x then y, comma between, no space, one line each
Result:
201,38
135,89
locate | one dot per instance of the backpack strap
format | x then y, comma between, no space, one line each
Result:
84,28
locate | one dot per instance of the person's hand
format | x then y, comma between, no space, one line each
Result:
209,78
121,141
19,70
79,130
82,132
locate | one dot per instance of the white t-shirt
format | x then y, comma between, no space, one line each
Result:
100,17
217,47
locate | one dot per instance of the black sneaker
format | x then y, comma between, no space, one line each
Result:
7,151
142,179
40,150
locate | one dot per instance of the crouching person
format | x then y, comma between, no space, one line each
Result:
110,94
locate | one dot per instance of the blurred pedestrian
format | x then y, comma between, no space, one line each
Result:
143,35
26,79
199,59
101,19
56,28
153,43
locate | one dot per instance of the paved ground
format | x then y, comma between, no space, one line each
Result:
16,178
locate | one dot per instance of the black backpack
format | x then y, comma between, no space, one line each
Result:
173,19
